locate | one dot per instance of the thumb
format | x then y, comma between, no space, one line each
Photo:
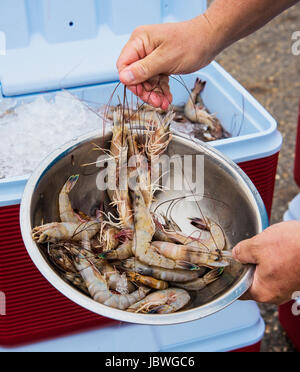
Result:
142,70
245,253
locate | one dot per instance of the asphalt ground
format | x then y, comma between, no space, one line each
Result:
265,65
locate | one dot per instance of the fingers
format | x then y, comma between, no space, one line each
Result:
143,69
246,252
131,53
141,65
155,92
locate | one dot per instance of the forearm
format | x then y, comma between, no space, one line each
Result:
232,20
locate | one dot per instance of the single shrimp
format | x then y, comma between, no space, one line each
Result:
119,152
57,232
201,283
99,289
159,137
162,302
123,252
143,234
216,241
148,281
115,280
140,174
66,211
180,276
197,113
192,254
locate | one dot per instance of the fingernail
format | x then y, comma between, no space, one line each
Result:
127,76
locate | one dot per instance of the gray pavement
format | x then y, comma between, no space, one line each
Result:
264,64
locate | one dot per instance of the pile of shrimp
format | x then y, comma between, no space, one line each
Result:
205,126
133,261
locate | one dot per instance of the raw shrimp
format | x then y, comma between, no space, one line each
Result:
215,243
148,281
66,211
140,175
201,283
159,137
115,280
123,252
57,232
197,113
144,232
119,152
162,302
180,276
98,287
76,280
140,117
191,254
60,257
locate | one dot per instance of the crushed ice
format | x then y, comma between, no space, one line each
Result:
29,132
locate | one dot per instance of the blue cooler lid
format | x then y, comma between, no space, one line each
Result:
293,212
236,327
54,44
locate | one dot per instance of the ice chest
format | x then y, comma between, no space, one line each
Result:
74,45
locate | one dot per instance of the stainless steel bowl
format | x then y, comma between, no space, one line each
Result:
230,199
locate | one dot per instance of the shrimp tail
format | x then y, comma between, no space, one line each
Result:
213,275
163,309
70,184
105,255
199,86
188,266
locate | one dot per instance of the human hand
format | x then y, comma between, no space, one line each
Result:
153,53
276,252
